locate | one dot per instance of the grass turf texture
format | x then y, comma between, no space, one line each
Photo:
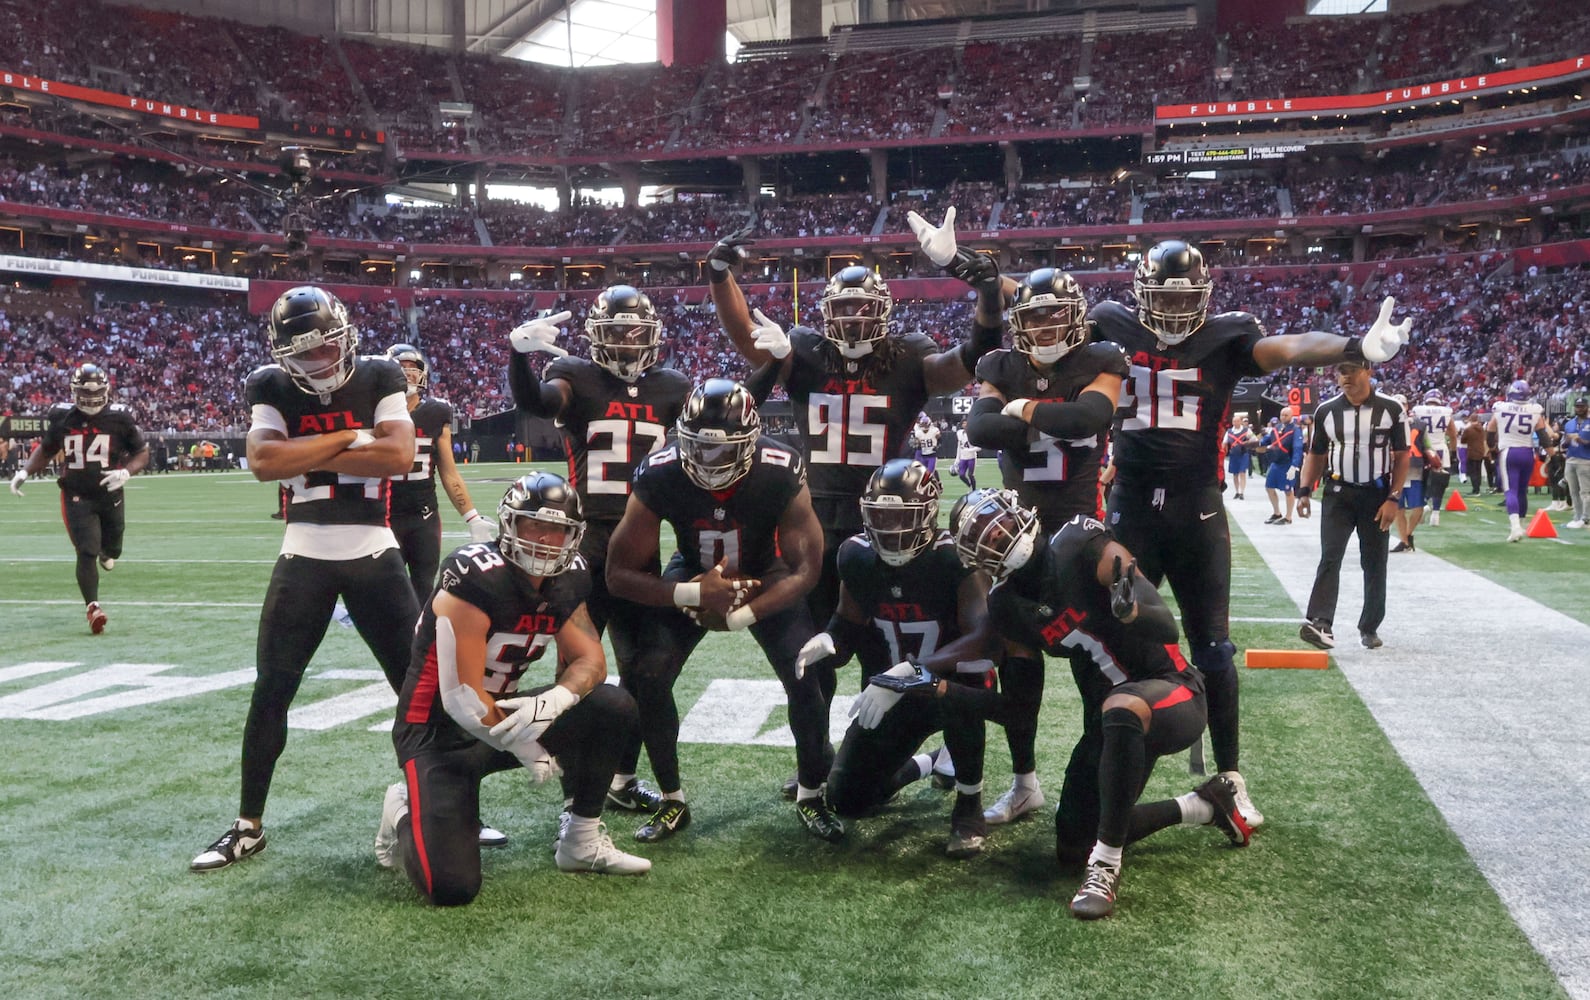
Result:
1354,888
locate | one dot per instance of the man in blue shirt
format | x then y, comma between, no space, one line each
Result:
1576,444
1284,443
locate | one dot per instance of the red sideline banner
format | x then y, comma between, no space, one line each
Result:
1395,97
165,109
263,291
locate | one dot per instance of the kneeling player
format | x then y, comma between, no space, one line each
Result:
1141,700
495,609
904,598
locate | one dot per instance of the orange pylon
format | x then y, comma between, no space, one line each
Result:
1541,527
1454,501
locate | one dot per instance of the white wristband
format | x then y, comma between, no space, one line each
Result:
687,595
470,515
740,618
1015,408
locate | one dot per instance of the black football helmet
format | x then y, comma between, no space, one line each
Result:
900,510
996,533
90,388
311,338
717,433
1050,317
419,376
855,308
532,503
1172,286
624,332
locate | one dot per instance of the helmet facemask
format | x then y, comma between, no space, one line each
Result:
899,529
625,344
715,459
1047,327
320,361
997,534
552,543
856,313
90,390
1172,308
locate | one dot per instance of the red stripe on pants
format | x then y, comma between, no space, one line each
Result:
413,779
1176,697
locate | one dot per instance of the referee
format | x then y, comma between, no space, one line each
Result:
1361,438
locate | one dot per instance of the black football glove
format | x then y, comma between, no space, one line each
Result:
1123,592
976,269
727,253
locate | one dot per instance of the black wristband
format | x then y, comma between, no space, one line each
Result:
1353,350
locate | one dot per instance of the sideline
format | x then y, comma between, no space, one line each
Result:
1481,692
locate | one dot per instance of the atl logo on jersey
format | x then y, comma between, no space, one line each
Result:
630,411
323,423
1061,625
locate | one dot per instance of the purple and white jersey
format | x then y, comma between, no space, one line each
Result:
1516,423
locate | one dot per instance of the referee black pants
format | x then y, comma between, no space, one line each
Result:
1347,510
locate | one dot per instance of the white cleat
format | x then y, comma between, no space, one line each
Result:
394,809
106,563
1250,812
1435,519
599,855
1014,804
1516,535
1575,523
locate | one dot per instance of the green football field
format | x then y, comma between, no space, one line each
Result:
121,758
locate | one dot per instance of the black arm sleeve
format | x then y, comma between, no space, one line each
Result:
1153,617
1001,707
982,340
1089,414
761,382
987,427
530,394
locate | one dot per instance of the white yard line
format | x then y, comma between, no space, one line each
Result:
1482,693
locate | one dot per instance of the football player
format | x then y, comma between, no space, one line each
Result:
1047,407
1164,503
749,549
101,448
614,410
904,598
925,440
1516,421
965,458
1079,596
856,386
333,427
1435,416
461,714
415,519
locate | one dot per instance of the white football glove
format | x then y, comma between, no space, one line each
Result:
361,439
539,335
538,761
873,703
17,481
480,529
1291,474
115,479
938,242
817,647
532,715
770,337
1384,339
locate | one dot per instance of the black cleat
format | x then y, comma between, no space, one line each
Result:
1273,519
635,796
665,822
1401,546
968,829
1317,634
789,788
1222,794
1370,640
233,846
1095,898
819,819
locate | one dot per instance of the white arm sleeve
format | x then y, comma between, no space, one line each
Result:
264,416
461,702
393,407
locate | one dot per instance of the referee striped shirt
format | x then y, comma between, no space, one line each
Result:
1360,441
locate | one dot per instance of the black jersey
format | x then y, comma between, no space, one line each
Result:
1054,603
915,607
416,491
524,620
855,415
1177,400
91,445
330,497
609,425
738,524
1060,477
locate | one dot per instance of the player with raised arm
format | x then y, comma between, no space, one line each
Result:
462,715
855,384
333,428
613,410
905,599
101,448
416,521
749,548
1046,405
1164,504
